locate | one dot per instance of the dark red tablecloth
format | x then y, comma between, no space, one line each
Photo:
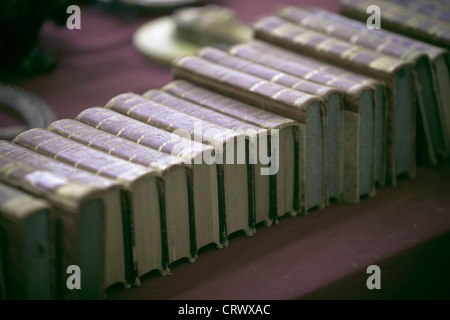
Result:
404,230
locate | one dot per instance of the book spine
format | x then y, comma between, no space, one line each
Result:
352,90
38,160
204,114
306,61
198,111
410,45
121,148
348,32
402,20
113,145
266,73
70,152
55,188
436,9
250,89
16,205
67,199
146,135
59,148
316,44
165,118
227,105
303,71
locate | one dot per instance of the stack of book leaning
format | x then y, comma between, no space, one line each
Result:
318,108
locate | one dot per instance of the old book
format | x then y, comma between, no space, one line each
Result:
402,20
434,141
325,73
333,105
397,74
439,59
439,9
363,119
207,191
144,189
238,174
288,138
118,265
175,177
302,107
78,225
26,253
257,149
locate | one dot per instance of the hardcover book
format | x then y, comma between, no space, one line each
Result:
285,182
257,142
397,74
364,120
439,59
333,105
144,190
118,266
434,141
402,20
207,191
26,253
3,293
307,110
238,179
329,74
439,9
175,177
77,225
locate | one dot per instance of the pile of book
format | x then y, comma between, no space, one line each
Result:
318,108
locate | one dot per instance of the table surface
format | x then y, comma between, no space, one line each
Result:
403,229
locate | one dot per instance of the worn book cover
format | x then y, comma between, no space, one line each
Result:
284,183
26,252
257,141
76,228
174,175
207,179
432,138
333,106
238,180
440,9
143,188
439,59
119,266
363,120
302,107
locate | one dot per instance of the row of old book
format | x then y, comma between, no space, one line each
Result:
318,108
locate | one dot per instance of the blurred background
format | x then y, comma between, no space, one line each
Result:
69,70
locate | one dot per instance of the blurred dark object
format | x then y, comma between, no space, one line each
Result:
145,7
34,112
159,5
20,25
